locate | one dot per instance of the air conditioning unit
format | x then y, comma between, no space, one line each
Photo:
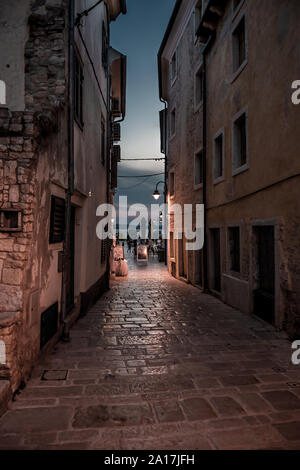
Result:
115,107
116,153
116,132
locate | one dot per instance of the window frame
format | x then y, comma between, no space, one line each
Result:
199,71
172,113
236,170
219,179
197,18
237,70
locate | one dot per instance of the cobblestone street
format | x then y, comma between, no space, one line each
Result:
157,365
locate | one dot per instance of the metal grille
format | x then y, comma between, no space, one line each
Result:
49,324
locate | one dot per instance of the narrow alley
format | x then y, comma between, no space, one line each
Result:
156,364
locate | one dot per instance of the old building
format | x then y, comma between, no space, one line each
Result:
62,91
226,70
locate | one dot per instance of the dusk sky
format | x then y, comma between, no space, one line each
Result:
138,35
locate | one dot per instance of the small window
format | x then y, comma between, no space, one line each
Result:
172,184
173,123
78,91
57,220
10,220
240,152
103,146
234,249
198,15
2,93
173,68
239,45
199,169
219,157
199,87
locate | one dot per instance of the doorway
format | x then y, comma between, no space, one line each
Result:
71,265
264,292
183,261
216,259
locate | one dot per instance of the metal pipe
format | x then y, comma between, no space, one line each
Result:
166,170
204,165
70,191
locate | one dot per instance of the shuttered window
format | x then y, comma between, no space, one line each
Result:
57,221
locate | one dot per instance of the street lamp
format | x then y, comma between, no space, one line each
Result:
156,193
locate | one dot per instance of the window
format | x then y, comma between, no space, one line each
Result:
173,123
104,251
234,249
239,49
199,169
199,87
173,68
78,91
198,15
103,146
10,220
57,220
219,157
2,93
104,47
172,184
240,151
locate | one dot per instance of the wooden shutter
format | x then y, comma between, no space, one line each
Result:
57,220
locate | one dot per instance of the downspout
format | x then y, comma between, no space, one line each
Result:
166,171
204,168
108,142
70,191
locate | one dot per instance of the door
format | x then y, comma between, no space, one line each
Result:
264,295
216,248
182,257
70,264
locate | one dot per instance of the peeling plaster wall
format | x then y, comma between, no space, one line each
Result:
33,150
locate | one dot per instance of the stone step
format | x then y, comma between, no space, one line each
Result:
5,395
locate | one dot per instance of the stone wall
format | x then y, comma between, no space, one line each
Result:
24,136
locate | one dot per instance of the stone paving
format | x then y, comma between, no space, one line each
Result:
157,365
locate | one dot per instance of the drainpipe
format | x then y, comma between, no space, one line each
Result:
70,191
108,141
166,173
204,168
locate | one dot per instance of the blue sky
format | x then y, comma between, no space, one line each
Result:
138,35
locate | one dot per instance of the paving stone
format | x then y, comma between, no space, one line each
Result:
35,420
188,373
290,431
197,409
282,400
110,416
227,406
168,411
